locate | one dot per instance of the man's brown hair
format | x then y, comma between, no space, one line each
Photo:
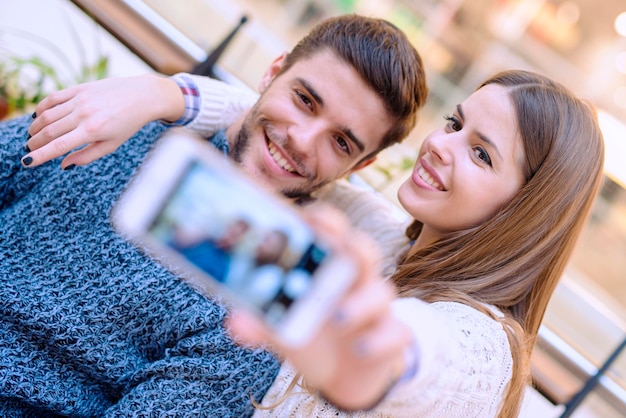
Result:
385,59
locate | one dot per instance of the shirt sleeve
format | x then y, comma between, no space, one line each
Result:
464,361
15,180
210,104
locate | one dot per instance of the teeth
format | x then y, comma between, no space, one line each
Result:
428,179
280,160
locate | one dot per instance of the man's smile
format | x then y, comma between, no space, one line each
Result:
280,158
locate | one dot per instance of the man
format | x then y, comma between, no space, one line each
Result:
91,327
326,109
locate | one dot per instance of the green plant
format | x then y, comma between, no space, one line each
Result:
393,169
25,81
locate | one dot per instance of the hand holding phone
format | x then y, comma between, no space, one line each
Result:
358,352
191,204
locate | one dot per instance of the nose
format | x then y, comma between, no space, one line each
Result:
303,138
441,145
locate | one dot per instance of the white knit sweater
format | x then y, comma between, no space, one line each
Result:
464,356
464,367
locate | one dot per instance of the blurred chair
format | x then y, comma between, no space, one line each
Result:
146,37
535,405
207,67
592,382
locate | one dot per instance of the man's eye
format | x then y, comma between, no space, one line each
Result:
482,155
453,123
343,144
305,100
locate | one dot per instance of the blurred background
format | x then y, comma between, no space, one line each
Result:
50,44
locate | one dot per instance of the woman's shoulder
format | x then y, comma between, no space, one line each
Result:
476,342
458,321
465,360
473,323
463,310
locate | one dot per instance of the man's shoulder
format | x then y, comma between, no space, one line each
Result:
220,141
359,199
371,212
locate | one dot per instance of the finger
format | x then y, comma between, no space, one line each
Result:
364,306
378,356
326,219
334,226
89,153
386,339
366,251
61,145
50,125
246,329
54,99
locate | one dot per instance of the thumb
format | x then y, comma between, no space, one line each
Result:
246,329
91,152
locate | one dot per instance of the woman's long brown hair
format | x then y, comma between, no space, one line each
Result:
515,259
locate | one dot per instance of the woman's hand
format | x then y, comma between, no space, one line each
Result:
359,351
100,116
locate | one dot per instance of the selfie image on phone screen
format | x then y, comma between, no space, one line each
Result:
231,232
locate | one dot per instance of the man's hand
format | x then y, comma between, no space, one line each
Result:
99,116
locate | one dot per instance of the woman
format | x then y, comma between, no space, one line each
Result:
499,196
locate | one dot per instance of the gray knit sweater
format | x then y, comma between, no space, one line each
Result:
89,325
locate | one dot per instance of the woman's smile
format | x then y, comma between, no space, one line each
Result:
428,176
475,159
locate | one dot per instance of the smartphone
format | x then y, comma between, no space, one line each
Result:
189,203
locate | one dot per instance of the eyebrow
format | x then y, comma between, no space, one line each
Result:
346,131
482,136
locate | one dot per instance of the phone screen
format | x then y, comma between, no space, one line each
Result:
231,231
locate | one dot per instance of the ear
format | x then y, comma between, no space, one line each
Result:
272,71
363,164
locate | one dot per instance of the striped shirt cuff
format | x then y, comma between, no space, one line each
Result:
191,94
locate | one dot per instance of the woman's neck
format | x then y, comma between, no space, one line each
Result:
426,237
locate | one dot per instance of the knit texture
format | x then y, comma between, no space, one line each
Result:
220,104
372,213
464,365
90,325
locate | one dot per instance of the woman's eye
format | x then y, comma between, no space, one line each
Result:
453,123
482,155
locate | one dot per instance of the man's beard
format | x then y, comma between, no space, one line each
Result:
240,148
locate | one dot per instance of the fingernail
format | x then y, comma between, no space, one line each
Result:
34,115
340,317
361,349
29,137
27,161
69,167
27,148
